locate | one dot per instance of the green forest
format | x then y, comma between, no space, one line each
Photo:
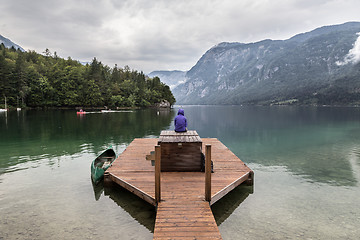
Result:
30,79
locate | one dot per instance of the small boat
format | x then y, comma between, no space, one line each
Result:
114,111
81,112
107,111
101,164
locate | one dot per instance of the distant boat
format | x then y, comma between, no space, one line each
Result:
18,109
101,164
107,110
114,111
81,112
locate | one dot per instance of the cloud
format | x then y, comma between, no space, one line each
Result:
162,34
354,54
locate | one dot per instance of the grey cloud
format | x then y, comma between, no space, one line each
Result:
164,34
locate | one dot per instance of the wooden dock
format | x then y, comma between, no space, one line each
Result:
182,212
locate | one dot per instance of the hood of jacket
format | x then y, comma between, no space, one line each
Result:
181,111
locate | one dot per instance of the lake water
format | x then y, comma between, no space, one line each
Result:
306,162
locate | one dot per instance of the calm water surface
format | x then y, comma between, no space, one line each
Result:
306,162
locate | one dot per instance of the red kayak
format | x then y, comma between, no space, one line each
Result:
80,112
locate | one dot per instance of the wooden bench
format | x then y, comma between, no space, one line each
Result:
180,152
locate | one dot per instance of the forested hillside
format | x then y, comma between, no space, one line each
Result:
171,78
29,79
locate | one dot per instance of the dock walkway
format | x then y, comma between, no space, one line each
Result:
182,212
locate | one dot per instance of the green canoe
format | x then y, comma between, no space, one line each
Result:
101,163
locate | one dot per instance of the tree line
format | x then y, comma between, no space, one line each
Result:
30,79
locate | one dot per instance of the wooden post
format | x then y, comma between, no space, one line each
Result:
250,180
157,173
208,172
107,180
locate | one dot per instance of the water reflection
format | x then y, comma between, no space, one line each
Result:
354,160
4,115
313,142
226,206
145,213
316,143
139,209
98,189
306,161
46,135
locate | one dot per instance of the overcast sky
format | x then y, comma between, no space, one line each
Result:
160,35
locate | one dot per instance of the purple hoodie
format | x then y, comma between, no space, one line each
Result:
180,121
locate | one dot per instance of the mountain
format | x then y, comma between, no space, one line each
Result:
170,78
317,67
8,43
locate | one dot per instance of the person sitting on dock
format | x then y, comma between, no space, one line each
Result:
180,121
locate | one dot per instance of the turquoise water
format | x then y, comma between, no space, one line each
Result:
306,162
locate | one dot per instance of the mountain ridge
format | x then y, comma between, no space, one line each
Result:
294,70
8,43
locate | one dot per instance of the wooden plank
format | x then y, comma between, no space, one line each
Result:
208,172
183,192
172,136
157,173
172,222
138,192
228,188
180,156
151,156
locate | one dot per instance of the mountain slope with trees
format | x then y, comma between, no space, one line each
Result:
310,68
9,44
170,78
29,79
